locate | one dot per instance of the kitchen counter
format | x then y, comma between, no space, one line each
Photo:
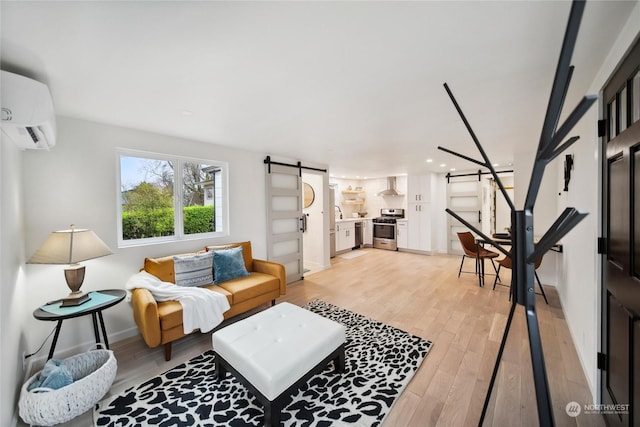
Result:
353,233
339,221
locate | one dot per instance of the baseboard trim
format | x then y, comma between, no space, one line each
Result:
415,251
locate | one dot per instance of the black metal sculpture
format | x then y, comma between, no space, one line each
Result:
568,165
524,252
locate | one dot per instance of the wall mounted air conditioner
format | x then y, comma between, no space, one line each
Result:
27,112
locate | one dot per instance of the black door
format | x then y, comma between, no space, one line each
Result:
621,262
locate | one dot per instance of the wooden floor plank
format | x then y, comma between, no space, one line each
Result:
460,394
507,408
406,405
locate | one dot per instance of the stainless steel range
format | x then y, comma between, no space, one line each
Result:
385,229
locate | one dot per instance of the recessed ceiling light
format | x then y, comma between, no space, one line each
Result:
442,165
429,160
496,164
452,169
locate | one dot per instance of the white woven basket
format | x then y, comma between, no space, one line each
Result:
93,373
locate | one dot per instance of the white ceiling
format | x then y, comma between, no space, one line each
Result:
355,85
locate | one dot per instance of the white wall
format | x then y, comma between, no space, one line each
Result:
579,284
76,183
14,297
579,288
439,231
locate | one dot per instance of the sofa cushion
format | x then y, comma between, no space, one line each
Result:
170,314
220,290
251,286
228,264
162,268
194,270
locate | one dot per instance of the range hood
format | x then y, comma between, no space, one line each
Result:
391,188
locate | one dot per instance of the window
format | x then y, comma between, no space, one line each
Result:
164,198
635,98
613,121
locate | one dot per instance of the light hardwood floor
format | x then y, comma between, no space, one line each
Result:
423,295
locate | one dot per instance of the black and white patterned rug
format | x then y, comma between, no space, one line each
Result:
380,362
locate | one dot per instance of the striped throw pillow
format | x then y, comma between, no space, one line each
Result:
194,270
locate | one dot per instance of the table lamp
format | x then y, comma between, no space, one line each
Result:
70,247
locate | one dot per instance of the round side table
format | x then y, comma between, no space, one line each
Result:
100,300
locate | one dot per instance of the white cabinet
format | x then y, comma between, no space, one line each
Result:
419,213
367,232
419,189
402,234
419,226
345,235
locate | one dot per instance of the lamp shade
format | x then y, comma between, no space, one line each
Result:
70,247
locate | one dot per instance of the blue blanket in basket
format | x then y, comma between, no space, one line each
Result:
54,375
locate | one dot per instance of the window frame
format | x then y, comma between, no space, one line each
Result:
221,212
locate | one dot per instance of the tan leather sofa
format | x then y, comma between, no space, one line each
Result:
161,322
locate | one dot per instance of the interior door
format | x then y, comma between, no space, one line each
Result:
464,198
285,219
620,359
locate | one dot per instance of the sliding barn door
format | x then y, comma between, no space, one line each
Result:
464,198
284,219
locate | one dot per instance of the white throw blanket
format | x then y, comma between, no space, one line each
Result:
201,308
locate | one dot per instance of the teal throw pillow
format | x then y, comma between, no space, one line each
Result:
228,264
194,270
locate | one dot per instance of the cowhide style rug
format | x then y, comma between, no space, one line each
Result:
380,362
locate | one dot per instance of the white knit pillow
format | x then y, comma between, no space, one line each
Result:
194,270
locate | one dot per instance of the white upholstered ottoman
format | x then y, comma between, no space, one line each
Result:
276,351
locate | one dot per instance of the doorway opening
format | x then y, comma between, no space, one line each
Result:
315,229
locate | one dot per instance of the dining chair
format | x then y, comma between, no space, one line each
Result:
472,249
506,263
